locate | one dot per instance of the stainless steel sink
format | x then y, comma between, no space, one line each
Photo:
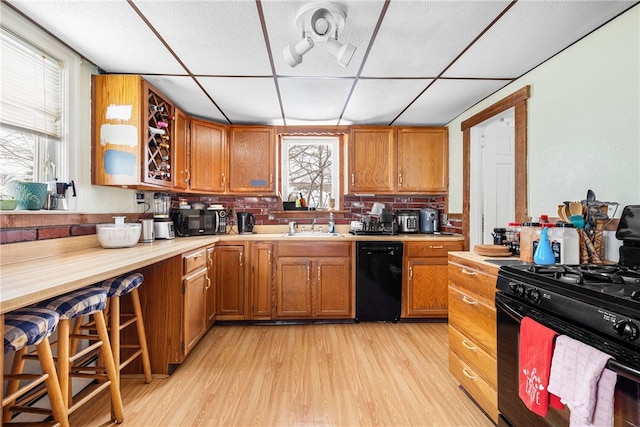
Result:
312,234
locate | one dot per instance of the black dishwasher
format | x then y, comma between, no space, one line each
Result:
378,281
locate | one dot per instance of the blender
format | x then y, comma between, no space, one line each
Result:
162,224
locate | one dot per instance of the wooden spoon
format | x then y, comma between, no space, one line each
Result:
575,208
562,213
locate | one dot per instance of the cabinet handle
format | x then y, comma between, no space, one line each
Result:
410,273
353,178
208,283
436,247
270,179
240,256
400,180
308,273
223,179
468,374
269,256
318,274
469,273
468,300
469,346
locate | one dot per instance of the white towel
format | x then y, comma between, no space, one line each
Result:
578,376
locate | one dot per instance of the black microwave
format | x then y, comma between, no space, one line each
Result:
198,222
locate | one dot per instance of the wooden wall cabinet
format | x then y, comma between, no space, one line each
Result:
472,330
208,156
181,151
313,281
425,279
132,133
398,160
230,282
252,160
261,280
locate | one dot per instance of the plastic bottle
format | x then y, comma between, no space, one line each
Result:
544,253
565,243
529,234
332,225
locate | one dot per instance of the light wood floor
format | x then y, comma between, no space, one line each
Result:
367,374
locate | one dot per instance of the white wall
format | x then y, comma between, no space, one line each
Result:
584,122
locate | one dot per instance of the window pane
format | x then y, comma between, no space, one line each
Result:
310,166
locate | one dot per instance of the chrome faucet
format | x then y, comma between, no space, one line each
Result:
313,224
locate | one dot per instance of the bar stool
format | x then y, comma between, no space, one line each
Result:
22,328
117,287
75,364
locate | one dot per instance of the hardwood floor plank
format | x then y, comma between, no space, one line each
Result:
366,374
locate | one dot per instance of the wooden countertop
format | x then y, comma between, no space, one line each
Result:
482,260
34,271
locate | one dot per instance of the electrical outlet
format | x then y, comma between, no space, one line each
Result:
139,197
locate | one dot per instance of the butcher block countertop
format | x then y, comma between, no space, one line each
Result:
34,271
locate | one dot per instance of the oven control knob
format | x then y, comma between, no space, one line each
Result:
627,330
534,296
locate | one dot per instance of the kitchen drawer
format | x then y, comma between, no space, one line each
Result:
314,249
484,395
473,355
473,318
194,260
433,248
474,281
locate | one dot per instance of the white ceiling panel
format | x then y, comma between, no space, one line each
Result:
378,102
108,33
445,99
528,32
246,100
187,95
418,38
316,101
280,18
223,44
212,37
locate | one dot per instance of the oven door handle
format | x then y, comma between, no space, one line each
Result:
629,372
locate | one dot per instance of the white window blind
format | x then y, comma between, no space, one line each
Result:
31,87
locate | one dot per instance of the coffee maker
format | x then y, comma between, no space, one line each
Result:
57,195
162,224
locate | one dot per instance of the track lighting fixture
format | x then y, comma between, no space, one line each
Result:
320,22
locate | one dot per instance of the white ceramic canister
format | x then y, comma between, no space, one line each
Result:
565,243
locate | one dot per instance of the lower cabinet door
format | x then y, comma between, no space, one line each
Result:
333,297
195,317
293,288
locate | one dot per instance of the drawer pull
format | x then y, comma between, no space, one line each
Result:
469,346
469,273
468,300
468,374
436,247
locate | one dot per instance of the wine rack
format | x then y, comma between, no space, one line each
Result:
159,140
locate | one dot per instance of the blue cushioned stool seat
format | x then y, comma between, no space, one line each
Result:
77,303
28,326
122,285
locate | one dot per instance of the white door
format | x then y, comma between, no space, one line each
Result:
492,199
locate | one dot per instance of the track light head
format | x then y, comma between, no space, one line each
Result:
343,52
293,53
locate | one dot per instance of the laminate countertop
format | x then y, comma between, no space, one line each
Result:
34,271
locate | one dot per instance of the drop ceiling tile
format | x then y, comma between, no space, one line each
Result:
102,31
314,101
212,37
420,38
529,33
188,96
245,100
280,18
445,100
379,101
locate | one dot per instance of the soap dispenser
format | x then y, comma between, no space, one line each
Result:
544,254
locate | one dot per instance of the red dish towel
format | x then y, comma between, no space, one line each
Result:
536,348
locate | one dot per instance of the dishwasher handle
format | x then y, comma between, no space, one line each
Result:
380,249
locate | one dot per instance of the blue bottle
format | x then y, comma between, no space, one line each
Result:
544,253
